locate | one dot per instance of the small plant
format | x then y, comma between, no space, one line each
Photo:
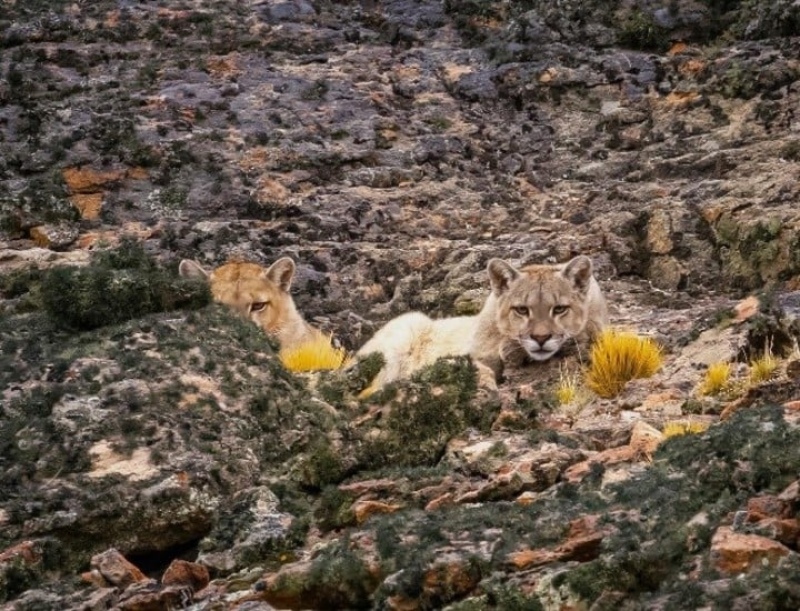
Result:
716,380
763,367
117,285
640,31
567,389
316,91
571,395
315,355
618,357
683,427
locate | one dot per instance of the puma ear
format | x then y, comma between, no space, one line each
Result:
501,275
192,269
579,272
281,273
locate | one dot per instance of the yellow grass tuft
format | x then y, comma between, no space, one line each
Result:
315,355
571,394
717,379
683,427
567,390
618,357
763,367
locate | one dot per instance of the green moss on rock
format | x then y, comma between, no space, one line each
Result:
117,286
422,414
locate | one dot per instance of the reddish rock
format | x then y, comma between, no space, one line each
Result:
182,572
116,569
448,579
87,180
88,204
370,487
299,586
94,578
87,188
27,551
582,544
153,597
643,442
791,493
528,558
612,456
735,553
787,531
364,509
746,308
54,236
445,500
645,439
761,507
583,539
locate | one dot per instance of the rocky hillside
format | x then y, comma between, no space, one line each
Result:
154,453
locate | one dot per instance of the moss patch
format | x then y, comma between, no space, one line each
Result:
118,285
422,414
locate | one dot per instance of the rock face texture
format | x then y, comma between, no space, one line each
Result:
155,454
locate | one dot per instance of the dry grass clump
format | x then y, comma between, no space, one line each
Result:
763,367
618,357
717,379
683,427
571,394
315,355
568,388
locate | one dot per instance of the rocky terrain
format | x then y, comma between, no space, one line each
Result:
154,454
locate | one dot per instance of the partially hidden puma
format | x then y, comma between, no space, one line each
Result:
260,294
529,315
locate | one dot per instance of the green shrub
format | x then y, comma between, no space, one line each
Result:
118,285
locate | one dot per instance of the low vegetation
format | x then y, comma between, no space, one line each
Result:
762,368
319,354
618,357
716,379
683,427
118,285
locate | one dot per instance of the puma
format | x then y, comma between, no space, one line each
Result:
260,294
528,316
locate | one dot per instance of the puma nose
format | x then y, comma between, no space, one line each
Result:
540,339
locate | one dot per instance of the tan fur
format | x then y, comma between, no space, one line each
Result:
529,315
260,294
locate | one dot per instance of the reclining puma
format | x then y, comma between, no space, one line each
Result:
529,315
259,294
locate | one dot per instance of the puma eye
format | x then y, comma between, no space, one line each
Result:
257,306
521,310
559,309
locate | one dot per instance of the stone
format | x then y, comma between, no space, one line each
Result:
643,443
184,573
785,530
392,149
88,180
645,438
363,510
54,237
582,544
735,553
26,551
116,569
150,596
89,205
761,507
791,494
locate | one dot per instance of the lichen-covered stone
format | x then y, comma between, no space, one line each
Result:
392,149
